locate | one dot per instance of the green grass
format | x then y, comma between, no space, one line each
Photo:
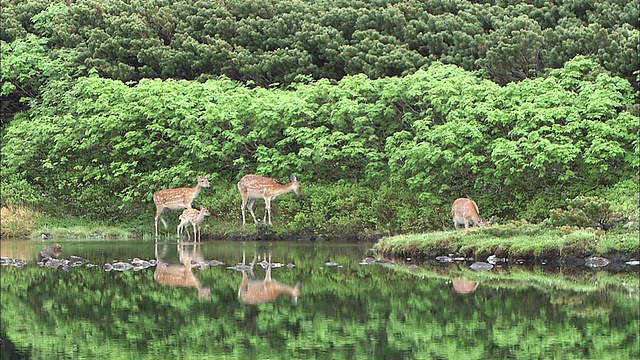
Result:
512,240
74,227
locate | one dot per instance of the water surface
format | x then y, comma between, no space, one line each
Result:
345,310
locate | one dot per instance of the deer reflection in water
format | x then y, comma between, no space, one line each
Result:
464,286
256,292
182,274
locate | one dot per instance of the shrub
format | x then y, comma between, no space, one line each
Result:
586,212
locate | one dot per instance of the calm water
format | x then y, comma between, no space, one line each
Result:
345,310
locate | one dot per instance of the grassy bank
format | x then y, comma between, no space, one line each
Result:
23,222
516,240
513,241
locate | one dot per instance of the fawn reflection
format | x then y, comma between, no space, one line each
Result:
182,274
255,292
464,286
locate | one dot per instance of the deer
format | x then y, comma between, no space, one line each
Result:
177,199
181,274
195,218
254,292
254,187
465,212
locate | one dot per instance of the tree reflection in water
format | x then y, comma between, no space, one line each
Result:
373,310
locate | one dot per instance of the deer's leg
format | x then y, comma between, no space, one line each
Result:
244,204
183,223
267,203
250,207
158,212
186,230
264,217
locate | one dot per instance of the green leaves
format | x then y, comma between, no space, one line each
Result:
271,41
23,63
440,133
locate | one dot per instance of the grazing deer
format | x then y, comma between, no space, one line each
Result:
254,187
255,292
465,211
181,274
195,218
177,199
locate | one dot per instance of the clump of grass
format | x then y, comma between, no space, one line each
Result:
17,221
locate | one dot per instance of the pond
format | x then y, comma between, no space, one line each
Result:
138,299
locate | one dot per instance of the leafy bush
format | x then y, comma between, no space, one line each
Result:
585,212
386,155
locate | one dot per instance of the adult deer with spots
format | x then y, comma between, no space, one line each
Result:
254,187
177,199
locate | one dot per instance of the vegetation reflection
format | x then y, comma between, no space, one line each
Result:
380,311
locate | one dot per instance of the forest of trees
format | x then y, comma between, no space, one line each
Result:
397,107
266,42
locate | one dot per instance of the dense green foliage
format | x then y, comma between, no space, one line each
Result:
386,111
274,41
390,154
352,311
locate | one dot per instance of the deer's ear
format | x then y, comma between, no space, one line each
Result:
293,178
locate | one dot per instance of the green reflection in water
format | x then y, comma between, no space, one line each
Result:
345,311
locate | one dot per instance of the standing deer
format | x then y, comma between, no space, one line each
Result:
181,274
195,218
177,199
465,211
255,292
254,187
